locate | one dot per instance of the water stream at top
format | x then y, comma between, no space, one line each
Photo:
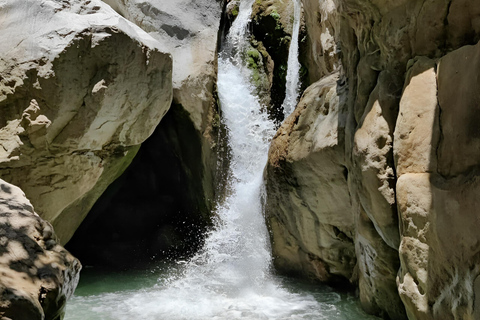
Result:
230,278
293,71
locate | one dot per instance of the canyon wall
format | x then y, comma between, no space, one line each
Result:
373,179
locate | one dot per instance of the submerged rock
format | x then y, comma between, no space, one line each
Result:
80,89
37,274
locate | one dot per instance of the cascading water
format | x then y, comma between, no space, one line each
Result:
293,72
230,278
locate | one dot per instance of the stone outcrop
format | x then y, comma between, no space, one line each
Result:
436,140
188,29
38,275
80,89
307,153
408,146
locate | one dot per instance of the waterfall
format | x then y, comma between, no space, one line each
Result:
293,72
230,278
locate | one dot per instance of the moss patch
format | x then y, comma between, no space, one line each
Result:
235,11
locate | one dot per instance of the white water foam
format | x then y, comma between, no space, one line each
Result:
230,278
293,72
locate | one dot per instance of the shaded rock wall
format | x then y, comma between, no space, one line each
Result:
189,31
162,190
406,140
38,275
75,102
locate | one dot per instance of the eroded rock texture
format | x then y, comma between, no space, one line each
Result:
80,89
407,75
437,188
37,274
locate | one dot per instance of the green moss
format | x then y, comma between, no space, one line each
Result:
216,121
303,72
253,58
254,54
235,11
275,15
251,63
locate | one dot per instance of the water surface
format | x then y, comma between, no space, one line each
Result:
109,295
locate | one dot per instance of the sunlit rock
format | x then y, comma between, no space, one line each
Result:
436,151
37,274
308,204
80,89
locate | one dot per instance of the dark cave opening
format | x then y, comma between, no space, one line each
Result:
156,210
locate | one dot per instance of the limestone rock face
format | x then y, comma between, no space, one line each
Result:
437,188
321,56
80,89
38,275
189,31
409,152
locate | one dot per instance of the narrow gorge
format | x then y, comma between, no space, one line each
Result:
239,159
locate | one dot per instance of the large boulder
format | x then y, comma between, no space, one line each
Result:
80,89
188,29
308,204
38,274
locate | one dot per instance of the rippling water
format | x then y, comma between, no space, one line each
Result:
107,295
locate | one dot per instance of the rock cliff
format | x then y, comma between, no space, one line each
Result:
80,89
374,177
189,31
